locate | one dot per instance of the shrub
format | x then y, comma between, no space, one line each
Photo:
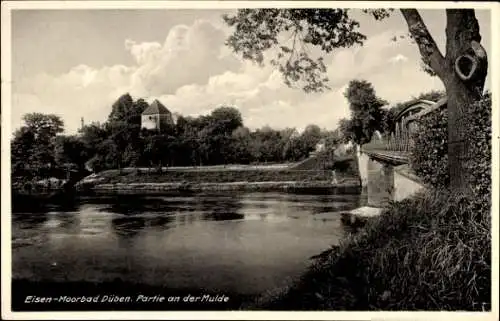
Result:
430,252
479,165
429,157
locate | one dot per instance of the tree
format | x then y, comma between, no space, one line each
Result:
240,145
216,132
92,135
70,152
332,139
462,69
366,113
21,145
33,146
121,110
225,119
310,138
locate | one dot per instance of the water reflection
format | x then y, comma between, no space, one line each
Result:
128,226
245,242
134,204
221,208
160,222
69,221
29,220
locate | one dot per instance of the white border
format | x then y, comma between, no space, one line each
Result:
7,6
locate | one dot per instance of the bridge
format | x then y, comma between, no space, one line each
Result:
384,161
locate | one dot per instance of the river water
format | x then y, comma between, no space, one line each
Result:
243,243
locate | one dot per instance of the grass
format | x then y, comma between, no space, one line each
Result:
217,176
224,176
430,252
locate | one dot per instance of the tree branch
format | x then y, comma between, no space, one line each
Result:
427,46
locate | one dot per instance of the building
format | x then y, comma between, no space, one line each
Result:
156,116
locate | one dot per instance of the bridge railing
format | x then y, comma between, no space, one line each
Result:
398,141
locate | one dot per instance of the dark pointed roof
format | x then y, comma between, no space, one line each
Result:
156,108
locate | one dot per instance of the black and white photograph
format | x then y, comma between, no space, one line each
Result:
293,158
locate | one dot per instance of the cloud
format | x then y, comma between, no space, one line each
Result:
192,72
263,99
398,58
143,52
189,55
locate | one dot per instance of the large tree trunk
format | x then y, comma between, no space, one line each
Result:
464,81
463,72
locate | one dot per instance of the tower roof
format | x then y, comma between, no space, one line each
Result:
156,108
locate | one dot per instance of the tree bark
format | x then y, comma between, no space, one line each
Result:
463,72
462,40
429,51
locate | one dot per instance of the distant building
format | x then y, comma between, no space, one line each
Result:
156,116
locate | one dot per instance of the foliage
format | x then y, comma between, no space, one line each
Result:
70,152
478,130
429,155
442,246
33,145
366,113
217,138
259,30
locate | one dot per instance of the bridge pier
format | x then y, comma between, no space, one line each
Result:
380,184
386,178
363,160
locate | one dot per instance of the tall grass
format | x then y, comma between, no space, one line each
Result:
430,252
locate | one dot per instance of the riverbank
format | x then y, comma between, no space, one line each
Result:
349,187
431,252
219,179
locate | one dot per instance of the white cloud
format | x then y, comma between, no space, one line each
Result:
143,52
192,73
398,58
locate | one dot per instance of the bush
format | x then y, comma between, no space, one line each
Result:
429,157
430,252
479,165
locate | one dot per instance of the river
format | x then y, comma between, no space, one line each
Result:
244,243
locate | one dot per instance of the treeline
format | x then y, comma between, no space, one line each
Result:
39,149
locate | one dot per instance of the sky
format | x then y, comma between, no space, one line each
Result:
76,63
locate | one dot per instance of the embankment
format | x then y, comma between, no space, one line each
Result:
217,180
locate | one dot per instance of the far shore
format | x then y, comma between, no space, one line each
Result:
346,186
278,177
